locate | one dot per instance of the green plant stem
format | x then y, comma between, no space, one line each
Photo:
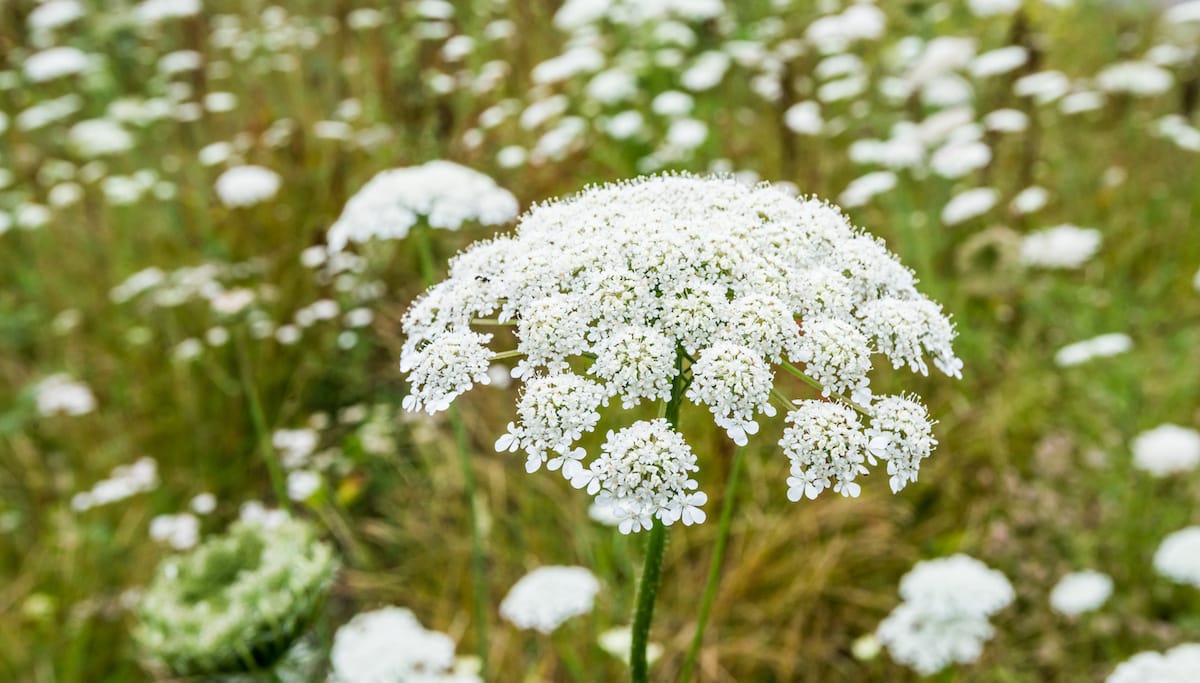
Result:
714,568
656,544
644,612
259,420
423,239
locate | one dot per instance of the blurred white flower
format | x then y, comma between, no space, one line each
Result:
181,531
203,503
617,642
61,394
243,186
1060,247
1166,449
294,446
944,616
548,596
443,193
124,481
1177,665
1029,200
989,8
1178,557
54,14
804,118
55,62
389,645
1081,592
154,11
999,61
302,484
969,204
864,188
1102,346
1141,79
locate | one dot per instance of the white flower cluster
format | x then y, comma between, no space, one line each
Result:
1178,557
1166,449
548,596
1177,665
243,186
701,283
944,616
123,482
389,645
444,193
61,394
241,598
1080,592
1103,346
644,473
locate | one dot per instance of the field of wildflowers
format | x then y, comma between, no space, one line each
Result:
531,341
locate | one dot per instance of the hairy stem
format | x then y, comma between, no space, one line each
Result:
421,235
714,568
656,544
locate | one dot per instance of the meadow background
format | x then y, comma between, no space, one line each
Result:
1033,474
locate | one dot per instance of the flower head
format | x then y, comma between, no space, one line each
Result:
699,285
548,596
1166,449
388,645
1081,592
442,192
240,599
1177,665
1178,557
943,618
643,474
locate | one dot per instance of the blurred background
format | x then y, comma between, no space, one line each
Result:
168,316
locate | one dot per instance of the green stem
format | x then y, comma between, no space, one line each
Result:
421,235
259,419
647,592
799,374
655,546
714,569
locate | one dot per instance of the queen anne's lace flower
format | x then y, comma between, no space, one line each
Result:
644,473
704,285
734,382
1166,449
555,410
1177,665
903,435
827,448
944,616
548,596
444,193
1081,592
238,600
389,645
444,369
1178,557
959,584
929,642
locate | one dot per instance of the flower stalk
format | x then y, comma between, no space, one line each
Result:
656,545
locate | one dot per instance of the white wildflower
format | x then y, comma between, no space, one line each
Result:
1166,449
443,193
1081,592
1062,247
643,474
1177,665
548,596
247,185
